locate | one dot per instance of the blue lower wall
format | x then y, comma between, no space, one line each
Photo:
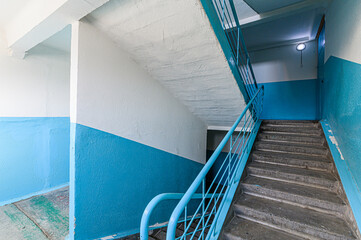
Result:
115,178
290,100
342,108
34,155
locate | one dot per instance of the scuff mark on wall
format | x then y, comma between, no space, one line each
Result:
334,142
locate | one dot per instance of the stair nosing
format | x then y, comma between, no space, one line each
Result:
296,153
244,185
289,220
294,165
286,154
292,133
293,143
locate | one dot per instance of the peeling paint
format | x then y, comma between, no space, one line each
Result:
334,142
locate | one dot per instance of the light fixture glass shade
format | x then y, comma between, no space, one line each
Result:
301,47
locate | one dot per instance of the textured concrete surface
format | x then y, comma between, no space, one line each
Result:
174,41
242,229
291,189
38,218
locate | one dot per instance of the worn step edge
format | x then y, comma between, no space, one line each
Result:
289,155
252,230
290,148
289,152
291,128
304,164
292,177
289,121
316,204
294,125
292,138
293,143
277,227
292,133
285,224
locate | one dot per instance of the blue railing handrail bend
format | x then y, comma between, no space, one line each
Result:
202,174
144,223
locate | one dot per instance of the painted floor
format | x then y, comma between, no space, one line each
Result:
41,217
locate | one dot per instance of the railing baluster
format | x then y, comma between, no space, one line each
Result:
185,221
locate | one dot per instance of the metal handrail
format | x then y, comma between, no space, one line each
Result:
144,223
229,20
200,179
220,192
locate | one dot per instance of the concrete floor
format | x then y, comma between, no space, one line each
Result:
41,217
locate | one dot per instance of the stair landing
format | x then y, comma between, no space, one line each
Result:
41,217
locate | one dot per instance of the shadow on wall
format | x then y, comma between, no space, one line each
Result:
34,155
290,100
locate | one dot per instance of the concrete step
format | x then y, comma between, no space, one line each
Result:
242,229
291,148
293,143
301,176
281,122
308,197
292,219
292,123
293,160
316,140
292,129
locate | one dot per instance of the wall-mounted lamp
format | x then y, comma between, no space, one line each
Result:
300,47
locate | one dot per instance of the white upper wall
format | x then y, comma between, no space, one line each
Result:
37,86
343,30
111,92
284,63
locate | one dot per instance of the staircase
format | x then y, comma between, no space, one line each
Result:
291,189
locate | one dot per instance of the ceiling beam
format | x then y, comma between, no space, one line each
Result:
283,12
40,19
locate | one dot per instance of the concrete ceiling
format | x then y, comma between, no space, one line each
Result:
262,6
286,30
280,22
174,41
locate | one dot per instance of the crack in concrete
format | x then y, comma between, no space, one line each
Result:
31,219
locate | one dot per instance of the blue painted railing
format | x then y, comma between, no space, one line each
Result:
213,210
215,198
144,225
227,16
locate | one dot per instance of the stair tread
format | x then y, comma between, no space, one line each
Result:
287,147
291,150
242,229
294,125
291,128
295,139
290,121
272,154
292,143
294,189
291,133
293,170
294,214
